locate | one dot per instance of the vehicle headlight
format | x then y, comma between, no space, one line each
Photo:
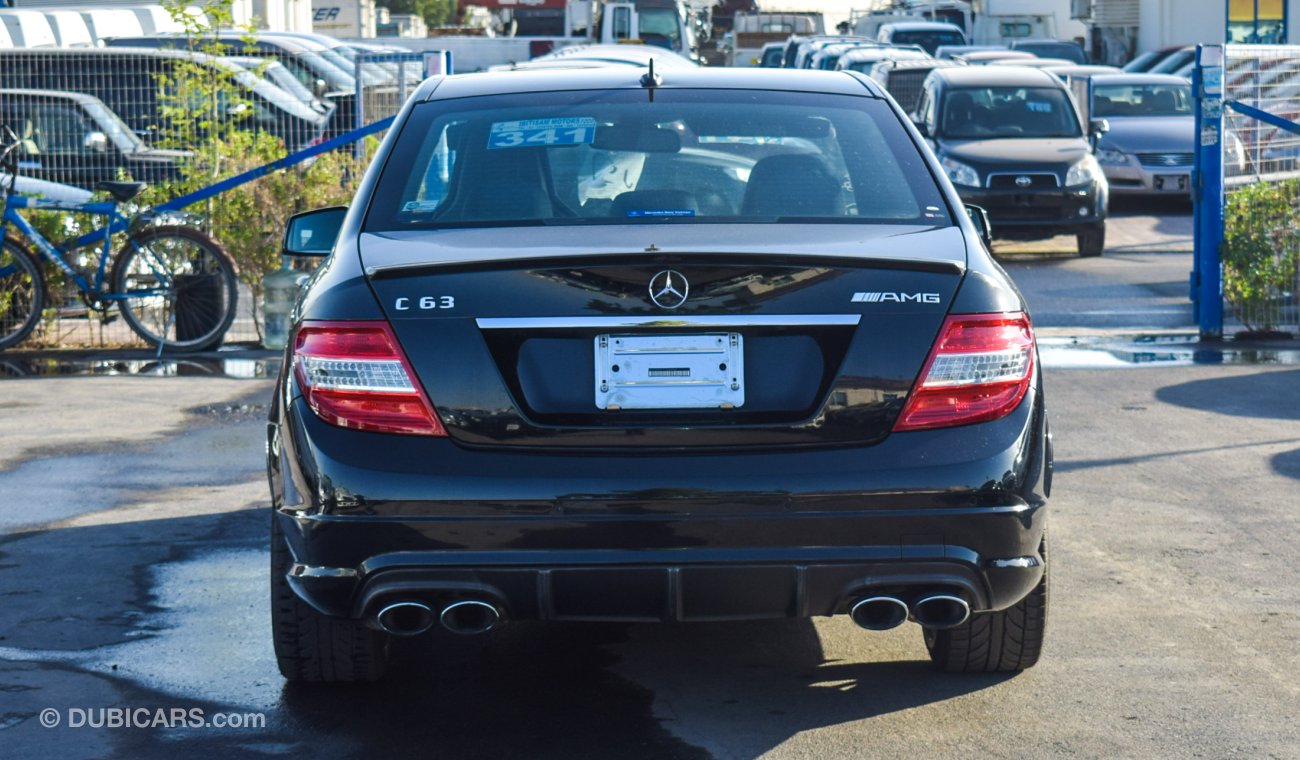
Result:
1111,157
960,173
1083,172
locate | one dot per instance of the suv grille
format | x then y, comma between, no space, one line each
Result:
1036,181
1165,159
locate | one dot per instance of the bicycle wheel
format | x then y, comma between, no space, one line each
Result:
179,285
22,293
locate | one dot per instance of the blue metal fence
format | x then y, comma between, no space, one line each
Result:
1247,109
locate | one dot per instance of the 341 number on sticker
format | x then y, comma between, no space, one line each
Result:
577,130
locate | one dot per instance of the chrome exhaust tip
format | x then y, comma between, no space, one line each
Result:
405,618
940,611
470,617
878,613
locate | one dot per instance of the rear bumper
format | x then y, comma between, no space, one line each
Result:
688,584
663,537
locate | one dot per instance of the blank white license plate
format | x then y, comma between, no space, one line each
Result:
670,371
1175,183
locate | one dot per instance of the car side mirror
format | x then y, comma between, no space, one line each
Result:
1097,128
95,142
313,233
980,218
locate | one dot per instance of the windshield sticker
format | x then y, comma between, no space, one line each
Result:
1039,106
659,212
576,130
419,207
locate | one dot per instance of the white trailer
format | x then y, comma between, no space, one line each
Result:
344,18
1001,22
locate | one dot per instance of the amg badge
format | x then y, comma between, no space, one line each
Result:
896,297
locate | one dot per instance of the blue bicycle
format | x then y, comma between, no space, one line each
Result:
175,286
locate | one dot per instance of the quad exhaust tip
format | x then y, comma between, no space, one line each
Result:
405,618
940,611
470,617
878,613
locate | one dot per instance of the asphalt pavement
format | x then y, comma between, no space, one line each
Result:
133,561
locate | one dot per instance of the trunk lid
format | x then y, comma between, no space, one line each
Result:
513,332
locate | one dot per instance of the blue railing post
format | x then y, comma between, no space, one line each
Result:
1207,268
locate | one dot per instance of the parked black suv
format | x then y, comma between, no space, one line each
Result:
75,139
1009,138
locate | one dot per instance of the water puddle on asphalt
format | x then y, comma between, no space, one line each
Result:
239,367
213,611
1091,352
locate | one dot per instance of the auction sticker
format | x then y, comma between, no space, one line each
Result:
574,130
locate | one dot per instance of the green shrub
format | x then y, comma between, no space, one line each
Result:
1261,250
247,220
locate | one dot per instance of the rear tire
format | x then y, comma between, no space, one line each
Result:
1092,239
180,252
22,293
314,648
993,642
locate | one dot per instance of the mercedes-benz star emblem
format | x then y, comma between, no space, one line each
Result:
668,289
1023,181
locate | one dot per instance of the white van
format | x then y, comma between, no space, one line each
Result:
27,29
112,22
69,29
154,19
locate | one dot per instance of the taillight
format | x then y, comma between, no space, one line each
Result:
354,375
978,370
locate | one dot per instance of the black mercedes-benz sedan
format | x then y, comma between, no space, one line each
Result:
608,345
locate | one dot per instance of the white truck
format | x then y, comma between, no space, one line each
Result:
664,23
751,31
525,29
1001,22
867,23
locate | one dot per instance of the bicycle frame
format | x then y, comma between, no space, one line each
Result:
57,254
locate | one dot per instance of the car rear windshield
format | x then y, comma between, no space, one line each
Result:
1055,50
688,156
928,39
982,113
1142,100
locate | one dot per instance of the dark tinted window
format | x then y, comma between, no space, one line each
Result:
979,113
1054,50
1142,100
616,158
772,58
930,40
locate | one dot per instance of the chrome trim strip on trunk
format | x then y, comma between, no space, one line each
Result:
721,320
